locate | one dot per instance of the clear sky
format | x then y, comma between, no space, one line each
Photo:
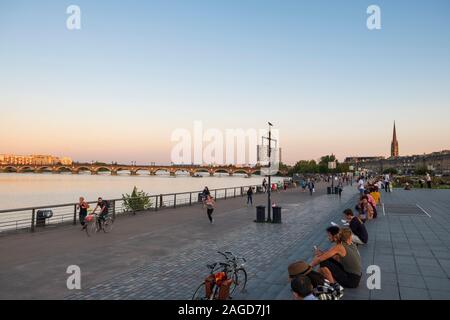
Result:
137,70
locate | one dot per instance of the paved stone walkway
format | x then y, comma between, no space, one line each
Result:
411,248
33,265
163,255
267,247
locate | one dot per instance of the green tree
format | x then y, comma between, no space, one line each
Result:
421,171
390,171
136,201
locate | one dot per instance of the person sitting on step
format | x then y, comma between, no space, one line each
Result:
342,263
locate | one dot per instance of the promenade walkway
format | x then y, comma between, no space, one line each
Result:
162,255
170,244
409,241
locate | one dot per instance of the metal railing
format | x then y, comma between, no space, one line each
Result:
28,218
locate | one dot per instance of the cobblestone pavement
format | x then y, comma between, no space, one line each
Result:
409,241
267,247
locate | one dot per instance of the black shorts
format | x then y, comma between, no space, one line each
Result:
345,279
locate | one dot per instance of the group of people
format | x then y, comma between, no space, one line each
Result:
83,207
339,267
308,183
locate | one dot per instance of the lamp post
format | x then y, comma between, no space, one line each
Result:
269,201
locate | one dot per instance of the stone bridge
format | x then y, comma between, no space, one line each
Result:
132,170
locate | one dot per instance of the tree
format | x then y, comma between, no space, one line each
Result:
390,171
136,201
421,171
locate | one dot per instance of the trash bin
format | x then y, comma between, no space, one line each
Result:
328,190
259,189
260,214
41,215
276,214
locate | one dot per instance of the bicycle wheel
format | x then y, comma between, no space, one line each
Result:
91,228
239,280
200,293
108,225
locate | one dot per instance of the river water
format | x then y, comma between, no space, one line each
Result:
20,190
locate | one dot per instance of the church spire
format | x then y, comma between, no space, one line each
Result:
394,143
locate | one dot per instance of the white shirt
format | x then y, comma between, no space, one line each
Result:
361,184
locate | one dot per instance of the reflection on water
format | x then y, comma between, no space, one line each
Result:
18,190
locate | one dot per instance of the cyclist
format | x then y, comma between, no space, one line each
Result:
104,206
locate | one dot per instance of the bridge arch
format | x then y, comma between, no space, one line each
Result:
102,169
44,169
80,169
10,169
25,169
182,171
161,169
201,170
222,170
63,169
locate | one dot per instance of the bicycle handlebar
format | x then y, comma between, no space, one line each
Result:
230,256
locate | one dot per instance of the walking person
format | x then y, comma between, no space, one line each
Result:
303,184
205,194
386,182
264,185
210,204
340,187
82,206
311,187
250,196
361,186
428,179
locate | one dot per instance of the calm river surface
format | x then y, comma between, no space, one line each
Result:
19,190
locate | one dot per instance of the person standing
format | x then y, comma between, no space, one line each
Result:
311,186
361,186
210,204
82,206
386,182
264,185
250,196
428,179
340,187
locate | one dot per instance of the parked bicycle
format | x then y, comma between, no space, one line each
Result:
224,279
238,273
95,224
217,284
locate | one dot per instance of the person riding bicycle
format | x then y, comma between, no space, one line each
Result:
104,206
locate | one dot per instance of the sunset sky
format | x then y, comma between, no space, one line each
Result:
137,70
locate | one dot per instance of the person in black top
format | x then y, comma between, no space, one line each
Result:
103,205
250,196
360,235
82,206
205,194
